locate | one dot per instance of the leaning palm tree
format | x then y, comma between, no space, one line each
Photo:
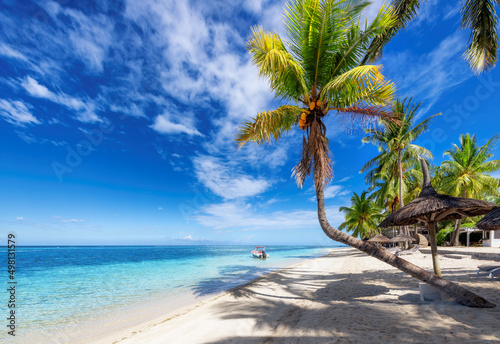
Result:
317,71
362,217
395,141
467,172
477,15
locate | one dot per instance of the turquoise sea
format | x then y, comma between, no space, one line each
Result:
59,287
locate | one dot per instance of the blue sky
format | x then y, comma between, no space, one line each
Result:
117,122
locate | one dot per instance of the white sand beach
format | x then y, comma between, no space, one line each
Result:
345,297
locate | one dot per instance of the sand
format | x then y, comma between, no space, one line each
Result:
345,297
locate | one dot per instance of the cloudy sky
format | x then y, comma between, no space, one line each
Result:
118,118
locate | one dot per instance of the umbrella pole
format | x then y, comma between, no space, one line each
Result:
434,251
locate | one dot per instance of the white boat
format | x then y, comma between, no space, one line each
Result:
260,252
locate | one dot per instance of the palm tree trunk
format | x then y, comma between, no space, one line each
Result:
454,236
460,294
434,250
401,202
456,229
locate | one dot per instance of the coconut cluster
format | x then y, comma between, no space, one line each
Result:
307,117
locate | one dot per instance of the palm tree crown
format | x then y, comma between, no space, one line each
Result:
399,156
363,217
467,172
317,70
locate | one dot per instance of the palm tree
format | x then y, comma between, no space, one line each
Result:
383,184
363,217
318,71
395,141
477,15
467,172
383,179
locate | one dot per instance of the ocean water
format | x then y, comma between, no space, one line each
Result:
60,286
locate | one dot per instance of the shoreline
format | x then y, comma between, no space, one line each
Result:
344,296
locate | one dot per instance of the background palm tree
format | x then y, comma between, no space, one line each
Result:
318,71
477,15
384,179
467,172
395,142
363,217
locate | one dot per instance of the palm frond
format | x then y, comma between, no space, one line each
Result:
360,84
404,12
480,17
362,116
357,40
268,124
285,74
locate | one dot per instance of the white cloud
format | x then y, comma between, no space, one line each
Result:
28,138
427,14
8,51
188,237
19,218
160,208
16,112
333,191
344,179
72,220
222,181
84,111
90,36
242,215
203,62
164,125
131,110
36,90
450,11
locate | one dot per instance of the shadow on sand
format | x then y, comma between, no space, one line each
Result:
314,305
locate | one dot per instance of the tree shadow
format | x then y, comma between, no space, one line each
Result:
230,277
312,302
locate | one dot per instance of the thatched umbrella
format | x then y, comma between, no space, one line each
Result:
431,207
379,238
401,238
491,221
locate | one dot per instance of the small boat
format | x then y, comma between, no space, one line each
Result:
260,252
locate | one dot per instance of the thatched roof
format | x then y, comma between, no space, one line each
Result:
490,221
401,238
379,238
431,206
